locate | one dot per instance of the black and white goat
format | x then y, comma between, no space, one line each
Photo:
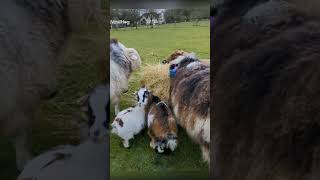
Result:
131,121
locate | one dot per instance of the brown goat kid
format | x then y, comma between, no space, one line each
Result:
162,127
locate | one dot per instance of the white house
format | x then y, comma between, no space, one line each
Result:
147,20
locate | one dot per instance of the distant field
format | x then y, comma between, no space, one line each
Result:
153,46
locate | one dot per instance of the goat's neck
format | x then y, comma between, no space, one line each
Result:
147,108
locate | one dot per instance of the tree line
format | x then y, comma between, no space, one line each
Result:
186,15
169,15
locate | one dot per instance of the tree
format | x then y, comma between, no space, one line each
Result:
169,16
180,15
125,15
157,17
195,15
152,14
134,17
115,14
187,14
177,15
198,14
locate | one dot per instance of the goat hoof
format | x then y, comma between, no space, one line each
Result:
152,145
160,150
126,145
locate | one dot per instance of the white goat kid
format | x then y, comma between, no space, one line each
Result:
131,121
96,104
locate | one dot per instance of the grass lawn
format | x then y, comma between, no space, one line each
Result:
54,122
153,46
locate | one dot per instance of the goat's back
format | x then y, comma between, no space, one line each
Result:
30,40
266,102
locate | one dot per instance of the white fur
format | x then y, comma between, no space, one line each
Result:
98,101
176,107
152,145
85,161
140,93
193,65
201,125
159,149
150,119
118,78
133,123
118,84
200,130
172,144
134,57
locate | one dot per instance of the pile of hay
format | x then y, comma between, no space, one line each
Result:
156,78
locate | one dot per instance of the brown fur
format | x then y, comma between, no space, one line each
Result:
266,85
164,124
174,55
180,52
190,100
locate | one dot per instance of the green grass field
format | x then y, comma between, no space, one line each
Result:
154,45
